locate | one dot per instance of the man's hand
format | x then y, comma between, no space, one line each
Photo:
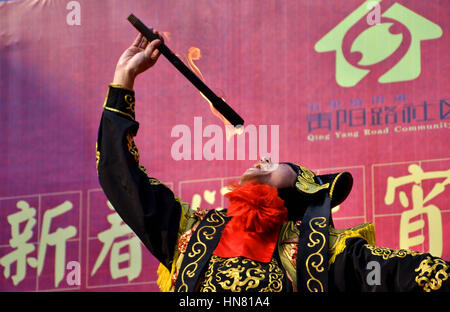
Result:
139,57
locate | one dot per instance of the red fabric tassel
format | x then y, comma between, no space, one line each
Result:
257,215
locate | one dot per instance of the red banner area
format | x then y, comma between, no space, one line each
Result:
358,86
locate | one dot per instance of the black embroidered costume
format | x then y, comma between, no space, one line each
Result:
310,254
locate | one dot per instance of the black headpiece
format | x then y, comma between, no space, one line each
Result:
310,200
309,188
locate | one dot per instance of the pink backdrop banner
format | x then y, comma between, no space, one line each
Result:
353,85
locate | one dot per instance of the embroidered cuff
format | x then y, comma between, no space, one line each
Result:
120,100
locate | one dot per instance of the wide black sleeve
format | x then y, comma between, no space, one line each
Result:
144,203
362,267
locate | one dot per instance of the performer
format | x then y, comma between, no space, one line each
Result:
277,234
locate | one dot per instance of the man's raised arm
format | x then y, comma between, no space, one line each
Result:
145,204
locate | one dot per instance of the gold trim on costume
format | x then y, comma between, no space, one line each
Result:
132,148
305,182
333,184
241,274
106,98
119,86
199,248
387,253
338,238
319,222
143,169
166,280
432,272
129,99
153,181
118,111
97,156
275,278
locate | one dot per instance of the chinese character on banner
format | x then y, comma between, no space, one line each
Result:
19,241
22,247
133,257
418,205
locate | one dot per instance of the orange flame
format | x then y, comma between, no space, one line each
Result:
194,54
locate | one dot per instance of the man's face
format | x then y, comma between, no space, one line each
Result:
266,172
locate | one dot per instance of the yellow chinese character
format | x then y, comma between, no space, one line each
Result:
419,207
57,238
19,241
133,257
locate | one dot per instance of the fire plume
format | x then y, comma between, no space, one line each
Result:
194,54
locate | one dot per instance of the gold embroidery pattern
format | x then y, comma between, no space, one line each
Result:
387,253
115,109
338,238
432,272
199,248
333,184
207,285
153,181
132,148
129,99
305,182
318,266
97,156
241,274
275,278
143,169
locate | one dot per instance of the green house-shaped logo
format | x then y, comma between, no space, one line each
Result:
396,56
